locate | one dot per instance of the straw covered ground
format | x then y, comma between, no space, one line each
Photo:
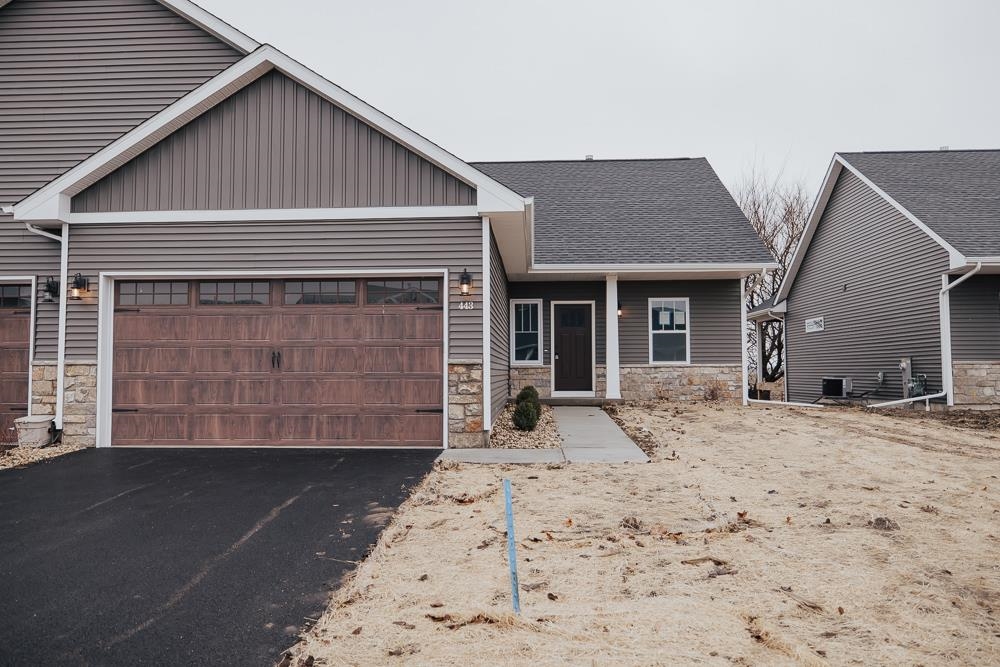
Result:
755,536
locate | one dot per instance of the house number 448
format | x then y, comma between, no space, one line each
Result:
466,305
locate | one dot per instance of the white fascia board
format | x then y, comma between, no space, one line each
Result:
276,215
706,267
493,197
211,24
838,164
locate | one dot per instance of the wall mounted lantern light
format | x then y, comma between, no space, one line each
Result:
79,287
619,309
465,283
51,289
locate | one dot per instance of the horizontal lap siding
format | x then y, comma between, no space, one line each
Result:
715,319
568,291
874,277
499,331
360,245
78,74
23,253
274,144
975,319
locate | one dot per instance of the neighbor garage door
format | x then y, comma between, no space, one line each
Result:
15,327
278,362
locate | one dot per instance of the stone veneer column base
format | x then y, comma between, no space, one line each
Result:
465,405
976,383
79,399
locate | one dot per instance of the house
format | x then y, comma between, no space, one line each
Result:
894,290
206,243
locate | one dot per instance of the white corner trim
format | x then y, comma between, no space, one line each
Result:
838,164
212,24
687,329
552,350
487,261
492,196
541,333
744,356
276,214
612,375
105,325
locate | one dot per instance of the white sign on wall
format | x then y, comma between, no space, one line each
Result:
814,324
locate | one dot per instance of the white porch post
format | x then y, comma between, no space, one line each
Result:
613,372
744,392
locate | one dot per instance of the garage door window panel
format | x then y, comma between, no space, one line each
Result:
325,292
15,296
235,293
403,292
153,293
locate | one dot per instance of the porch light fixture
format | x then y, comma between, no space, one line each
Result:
79,287
619,309
51,289
465,282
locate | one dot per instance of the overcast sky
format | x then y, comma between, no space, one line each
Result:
784,84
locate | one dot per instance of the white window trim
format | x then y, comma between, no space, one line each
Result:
687,330
541,333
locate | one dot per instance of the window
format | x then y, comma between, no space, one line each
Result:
158,293
15,296
669,331
320,291
406,291
526,332
234,292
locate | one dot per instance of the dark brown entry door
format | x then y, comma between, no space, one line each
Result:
574,365
276,368
15,323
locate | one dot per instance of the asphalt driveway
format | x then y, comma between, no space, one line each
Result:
176,556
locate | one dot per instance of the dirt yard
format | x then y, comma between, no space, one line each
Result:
756,536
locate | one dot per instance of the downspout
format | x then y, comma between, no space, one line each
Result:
944,311
61,335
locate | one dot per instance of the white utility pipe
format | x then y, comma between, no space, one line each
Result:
905,401
792,404
61,342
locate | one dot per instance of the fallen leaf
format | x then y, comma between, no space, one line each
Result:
422,577
568,522
840,610
552,596
356,631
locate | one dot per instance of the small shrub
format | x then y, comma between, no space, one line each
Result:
526,393
526,415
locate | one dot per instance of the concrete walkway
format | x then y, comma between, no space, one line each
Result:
589,435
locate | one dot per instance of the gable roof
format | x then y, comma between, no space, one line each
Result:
955,193
51,203
631,212
76,76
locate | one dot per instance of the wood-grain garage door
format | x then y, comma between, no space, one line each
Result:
279,362
15,333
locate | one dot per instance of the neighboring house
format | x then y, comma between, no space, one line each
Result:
239,252
900,260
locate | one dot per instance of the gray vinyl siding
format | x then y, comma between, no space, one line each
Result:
23,253
274,144
714,317
874,277
975,319
77,75
360,245
564,291
499,331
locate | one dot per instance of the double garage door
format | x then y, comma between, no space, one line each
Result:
278,362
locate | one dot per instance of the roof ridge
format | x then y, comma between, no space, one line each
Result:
564,161
925,150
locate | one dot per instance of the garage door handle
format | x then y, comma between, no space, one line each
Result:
279,358
274,359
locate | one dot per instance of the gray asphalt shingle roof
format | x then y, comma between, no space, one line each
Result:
955,193
631,212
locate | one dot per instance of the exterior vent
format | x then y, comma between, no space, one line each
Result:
840,387
588,158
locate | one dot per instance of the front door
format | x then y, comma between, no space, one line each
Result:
572,356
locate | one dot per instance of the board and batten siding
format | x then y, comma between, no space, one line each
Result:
77,75
23,253
874,277
274,144
330,246
499,332
975,319
715,319
564,291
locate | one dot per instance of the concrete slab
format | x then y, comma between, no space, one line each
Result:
590,436
490,455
